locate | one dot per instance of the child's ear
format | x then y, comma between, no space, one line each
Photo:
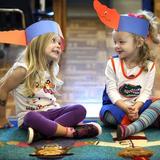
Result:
140,42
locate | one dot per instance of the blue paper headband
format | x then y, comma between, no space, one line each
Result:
133,25
42,27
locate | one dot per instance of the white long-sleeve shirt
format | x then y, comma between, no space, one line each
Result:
130,85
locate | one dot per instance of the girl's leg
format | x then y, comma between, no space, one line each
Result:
111,114
41,124
56,122
40,127
147,118
60,122
69,115
109,119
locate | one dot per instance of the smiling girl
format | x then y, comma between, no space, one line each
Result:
130,74
34,84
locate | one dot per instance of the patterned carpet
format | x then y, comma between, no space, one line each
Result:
13,146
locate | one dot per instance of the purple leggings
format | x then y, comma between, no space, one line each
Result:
45,122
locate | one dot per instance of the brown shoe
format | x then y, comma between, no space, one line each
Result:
87,130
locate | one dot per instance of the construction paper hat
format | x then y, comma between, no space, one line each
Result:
124,23
24,37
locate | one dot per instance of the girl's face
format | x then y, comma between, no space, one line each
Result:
125,45
53,50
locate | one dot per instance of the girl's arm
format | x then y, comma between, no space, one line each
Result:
147,92
120,103
145,95
111,83
136,107
11,82
112,90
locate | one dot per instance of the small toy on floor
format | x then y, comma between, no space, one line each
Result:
51,151
135,153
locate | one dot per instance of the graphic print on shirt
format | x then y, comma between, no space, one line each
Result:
129,90
44,96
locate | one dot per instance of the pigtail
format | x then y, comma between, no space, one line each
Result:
154,25
145,55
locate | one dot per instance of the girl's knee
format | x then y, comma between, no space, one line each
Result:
29,117
156,103
103,117
80,109
108,119
155,106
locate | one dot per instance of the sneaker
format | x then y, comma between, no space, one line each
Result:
33,136
87,130
121,132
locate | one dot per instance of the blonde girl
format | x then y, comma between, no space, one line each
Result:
34,84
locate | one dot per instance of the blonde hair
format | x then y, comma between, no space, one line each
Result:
145,54
154,27
154,33
36,61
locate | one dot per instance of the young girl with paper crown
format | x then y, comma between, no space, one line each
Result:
129,75
34,83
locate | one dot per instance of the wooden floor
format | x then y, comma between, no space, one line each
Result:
88,46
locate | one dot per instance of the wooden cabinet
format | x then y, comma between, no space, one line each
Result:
60,14
157,8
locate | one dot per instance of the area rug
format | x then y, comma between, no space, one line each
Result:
13,146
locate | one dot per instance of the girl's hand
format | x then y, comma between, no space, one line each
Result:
129,110
133,117
4,123
133,113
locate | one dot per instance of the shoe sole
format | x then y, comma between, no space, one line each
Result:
98,126
30,135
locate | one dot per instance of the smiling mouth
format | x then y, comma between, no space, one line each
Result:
56,52
119,52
